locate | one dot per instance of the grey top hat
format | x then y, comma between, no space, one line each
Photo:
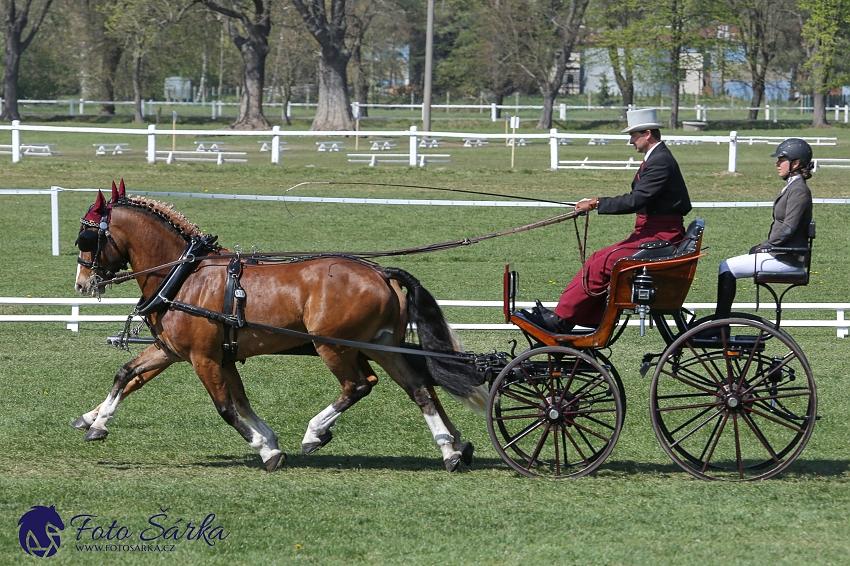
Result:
643,119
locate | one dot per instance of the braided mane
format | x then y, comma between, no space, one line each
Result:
164,212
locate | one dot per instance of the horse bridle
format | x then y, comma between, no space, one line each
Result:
86,243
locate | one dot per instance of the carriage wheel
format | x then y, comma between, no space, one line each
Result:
554,412
740,407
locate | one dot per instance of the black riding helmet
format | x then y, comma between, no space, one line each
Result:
794,148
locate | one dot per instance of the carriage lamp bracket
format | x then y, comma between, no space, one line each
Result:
643,295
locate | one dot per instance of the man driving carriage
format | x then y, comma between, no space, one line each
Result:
660,199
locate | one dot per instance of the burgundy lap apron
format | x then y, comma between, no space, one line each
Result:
581,308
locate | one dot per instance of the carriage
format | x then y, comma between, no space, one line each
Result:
730,399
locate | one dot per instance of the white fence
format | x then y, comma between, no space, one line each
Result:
74,319
216,107
414,137
54,202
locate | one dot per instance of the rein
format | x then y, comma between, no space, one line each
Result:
317,255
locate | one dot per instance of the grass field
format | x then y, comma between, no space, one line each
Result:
378,494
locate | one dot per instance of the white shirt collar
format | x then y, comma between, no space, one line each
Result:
788,181
646,155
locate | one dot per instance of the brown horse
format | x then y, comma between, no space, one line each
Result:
336,297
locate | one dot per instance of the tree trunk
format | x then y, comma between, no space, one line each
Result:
361,85
549,92
16,17
819,102
11,68
253,78
109,69
334,106
623,75
499,99
674,90
287,96
137,87
758,96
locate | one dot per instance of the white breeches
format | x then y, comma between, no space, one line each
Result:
746,265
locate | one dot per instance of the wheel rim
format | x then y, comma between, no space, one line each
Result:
738,408
554,412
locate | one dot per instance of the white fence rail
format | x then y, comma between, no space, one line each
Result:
216,108
554,138
54,202
74,319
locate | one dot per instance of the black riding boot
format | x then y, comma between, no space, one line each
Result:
726,287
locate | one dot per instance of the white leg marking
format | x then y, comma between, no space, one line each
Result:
107,411
441,434
90,417
320,424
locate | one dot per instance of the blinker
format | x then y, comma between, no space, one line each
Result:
87,241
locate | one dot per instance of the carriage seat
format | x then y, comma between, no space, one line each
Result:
793,278
661,249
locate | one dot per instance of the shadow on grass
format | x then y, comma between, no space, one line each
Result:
798,470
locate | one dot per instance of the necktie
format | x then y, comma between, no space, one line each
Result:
642,163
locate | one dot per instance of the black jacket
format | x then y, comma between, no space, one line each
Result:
657,189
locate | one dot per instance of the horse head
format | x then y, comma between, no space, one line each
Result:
99,257
134,231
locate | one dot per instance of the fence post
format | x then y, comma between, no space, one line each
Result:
733,152
276,145
213,109
16,141
150,106
767,112
82,106
151,143
563,115
846,108
54,218
775,113
414,146
836,112
493,112
1,104
289,109
71,107
553,149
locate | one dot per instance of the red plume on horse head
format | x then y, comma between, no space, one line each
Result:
118,192
99,209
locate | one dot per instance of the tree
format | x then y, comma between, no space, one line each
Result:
249,27
334,107
674,26
539,36
17,38
762,33
826,31
622,39
294,60
143,21
479,60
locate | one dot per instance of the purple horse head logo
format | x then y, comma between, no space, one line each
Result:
38,531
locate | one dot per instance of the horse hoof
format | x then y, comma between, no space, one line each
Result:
453,463
466,450
276,461
96,434
310,447
81,424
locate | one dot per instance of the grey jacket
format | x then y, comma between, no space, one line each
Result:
792,213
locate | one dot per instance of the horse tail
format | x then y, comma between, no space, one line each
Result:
459,378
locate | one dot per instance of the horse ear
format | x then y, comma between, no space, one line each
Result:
115,193
121,191
98,209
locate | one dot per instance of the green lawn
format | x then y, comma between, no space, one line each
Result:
378,494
